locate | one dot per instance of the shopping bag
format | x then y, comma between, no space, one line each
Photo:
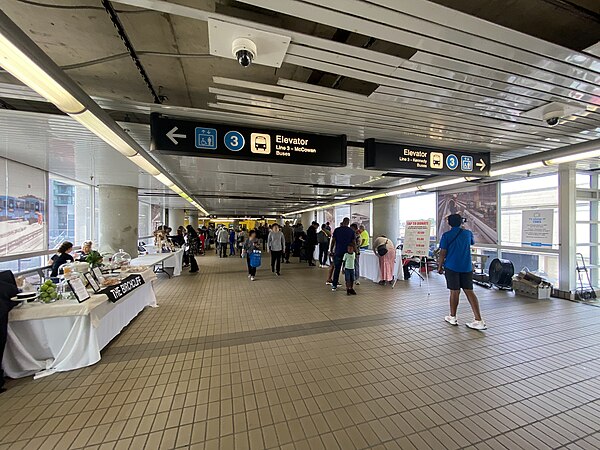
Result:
255,258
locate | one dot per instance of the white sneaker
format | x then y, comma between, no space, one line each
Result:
251,278
328,283
477,325
357,283
334,288
452,320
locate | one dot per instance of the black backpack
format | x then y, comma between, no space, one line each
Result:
382,249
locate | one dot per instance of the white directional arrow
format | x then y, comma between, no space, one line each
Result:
171,135
481,164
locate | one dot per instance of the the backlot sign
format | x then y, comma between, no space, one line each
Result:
189,138
413,159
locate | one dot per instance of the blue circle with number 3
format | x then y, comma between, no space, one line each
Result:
234,141
452,162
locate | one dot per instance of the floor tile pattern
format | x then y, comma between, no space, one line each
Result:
283,362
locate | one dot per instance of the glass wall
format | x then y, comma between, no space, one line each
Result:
418,207
70,212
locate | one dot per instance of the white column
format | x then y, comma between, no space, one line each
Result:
118,210
567,221
193,215
307,218
386,218
176,218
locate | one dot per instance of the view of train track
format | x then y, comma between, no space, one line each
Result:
478,206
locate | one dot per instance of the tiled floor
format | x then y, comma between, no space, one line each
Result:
226,363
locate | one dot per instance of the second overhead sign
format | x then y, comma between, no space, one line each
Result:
412,159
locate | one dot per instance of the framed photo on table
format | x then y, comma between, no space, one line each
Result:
81,293
92,281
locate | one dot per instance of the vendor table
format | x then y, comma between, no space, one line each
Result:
169,263
67,335
369,265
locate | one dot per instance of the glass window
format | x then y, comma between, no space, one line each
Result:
70,214
418,207
517,196
145,220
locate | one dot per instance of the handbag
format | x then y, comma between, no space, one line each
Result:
382,249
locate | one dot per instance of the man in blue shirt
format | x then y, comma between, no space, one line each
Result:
341,238
455,263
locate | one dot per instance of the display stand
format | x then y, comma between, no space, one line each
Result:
416,243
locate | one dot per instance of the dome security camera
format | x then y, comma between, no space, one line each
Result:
244,51
553,116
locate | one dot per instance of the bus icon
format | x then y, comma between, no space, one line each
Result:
260,143
436,160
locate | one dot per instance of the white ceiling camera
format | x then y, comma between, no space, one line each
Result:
244,51
552,112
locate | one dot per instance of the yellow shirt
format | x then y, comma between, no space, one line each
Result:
364,238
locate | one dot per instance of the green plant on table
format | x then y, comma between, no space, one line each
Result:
94,259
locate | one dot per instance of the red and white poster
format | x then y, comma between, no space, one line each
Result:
416,238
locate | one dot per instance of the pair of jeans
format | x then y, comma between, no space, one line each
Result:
337,264
223,250
288,246
323,253
310,253
231,248
251,270
276,260
357,266
349,275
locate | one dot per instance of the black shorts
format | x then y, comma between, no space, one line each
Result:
455,281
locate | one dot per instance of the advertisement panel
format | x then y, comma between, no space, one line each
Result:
478,204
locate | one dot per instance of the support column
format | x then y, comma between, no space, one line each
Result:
118,209
176,218
386,218
193,215
307,218
567,222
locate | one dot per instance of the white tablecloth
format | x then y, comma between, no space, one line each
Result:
369,265
169,261
66,335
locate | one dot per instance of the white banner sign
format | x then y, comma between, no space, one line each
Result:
416,238
537,227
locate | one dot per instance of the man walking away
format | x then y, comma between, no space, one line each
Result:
231,242
342,237
323,238
455,263
311,242
223,239
288,234
276,245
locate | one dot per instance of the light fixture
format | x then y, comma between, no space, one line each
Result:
442,183
401,191
514,169
29,73
104,132
144,164
572,158
164,180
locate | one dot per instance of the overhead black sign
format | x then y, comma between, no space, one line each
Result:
416,159
118,291
181,137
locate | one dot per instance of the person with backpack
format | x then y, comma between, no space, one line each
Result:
323,238
386,253
276,246
222,241
250,246
455,263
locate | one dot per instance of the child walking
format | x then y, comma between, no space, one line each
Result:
348,263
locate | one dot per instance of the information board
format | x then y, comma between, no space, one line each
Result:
189,138
416,159
417,234
537,228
